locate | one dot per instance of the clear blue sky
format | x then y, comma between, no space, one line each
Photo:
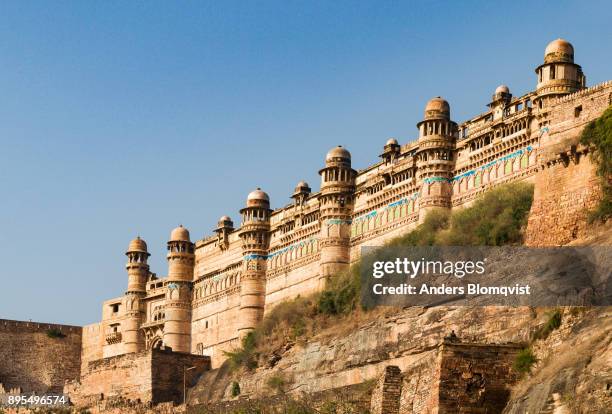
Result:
126,118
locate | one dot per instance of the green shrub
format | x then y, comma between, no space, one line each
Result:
246,355
497,218
55,333
235,389
276,383
598,135
341,295
524,361
553,322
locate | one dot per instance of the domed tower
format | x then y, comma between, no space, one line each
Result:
435,156
301,193
558,75
391,151
336,202
181,262
225,226
255,235
500,100
138,272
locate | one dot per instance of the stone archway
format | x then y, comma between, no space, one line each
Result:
156,343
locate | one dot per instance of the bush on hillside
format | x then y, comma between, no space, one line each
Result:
524,360
498,218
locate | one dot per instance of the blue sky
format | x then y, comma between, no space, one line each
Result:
126,118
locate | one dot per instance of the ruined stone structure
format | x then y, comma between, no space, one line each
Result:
460,377
219,287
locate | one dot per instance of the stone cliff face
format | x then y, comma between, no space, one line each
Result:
403,339
574,372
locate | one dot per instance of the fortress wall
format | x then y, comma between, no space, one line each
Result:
213,328
92,343
378,237
210,257
303,280
149,376
566,186
34,361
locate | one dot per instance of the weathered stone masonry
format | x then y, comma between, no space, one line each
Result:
152,376
462,377
35,362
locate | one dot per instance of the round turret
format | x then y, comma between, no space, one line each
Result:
258,198
302,187
137,245
558,75
559,50
338,153
180,234
437,108
502,89
391,141
225,221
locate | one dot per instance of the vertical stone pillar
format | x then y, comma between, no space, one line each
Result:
386,395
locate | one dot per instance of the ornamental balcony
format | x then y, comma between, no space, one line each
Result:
113,338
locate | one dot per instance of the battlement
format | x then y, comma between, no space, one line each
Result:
584,92
7,325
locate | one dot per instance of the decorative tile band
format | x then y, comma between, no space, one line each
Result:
518,153
373,213
281,251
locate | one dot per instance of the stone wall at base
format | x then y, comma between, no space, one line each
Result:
152,376
459,377
38,357
476,378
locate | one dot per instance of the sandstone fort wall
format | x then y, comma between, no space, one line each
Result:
145,377
35,362
566,185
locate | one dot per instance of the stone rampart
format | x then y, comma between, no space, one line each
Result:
153,376
38,357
